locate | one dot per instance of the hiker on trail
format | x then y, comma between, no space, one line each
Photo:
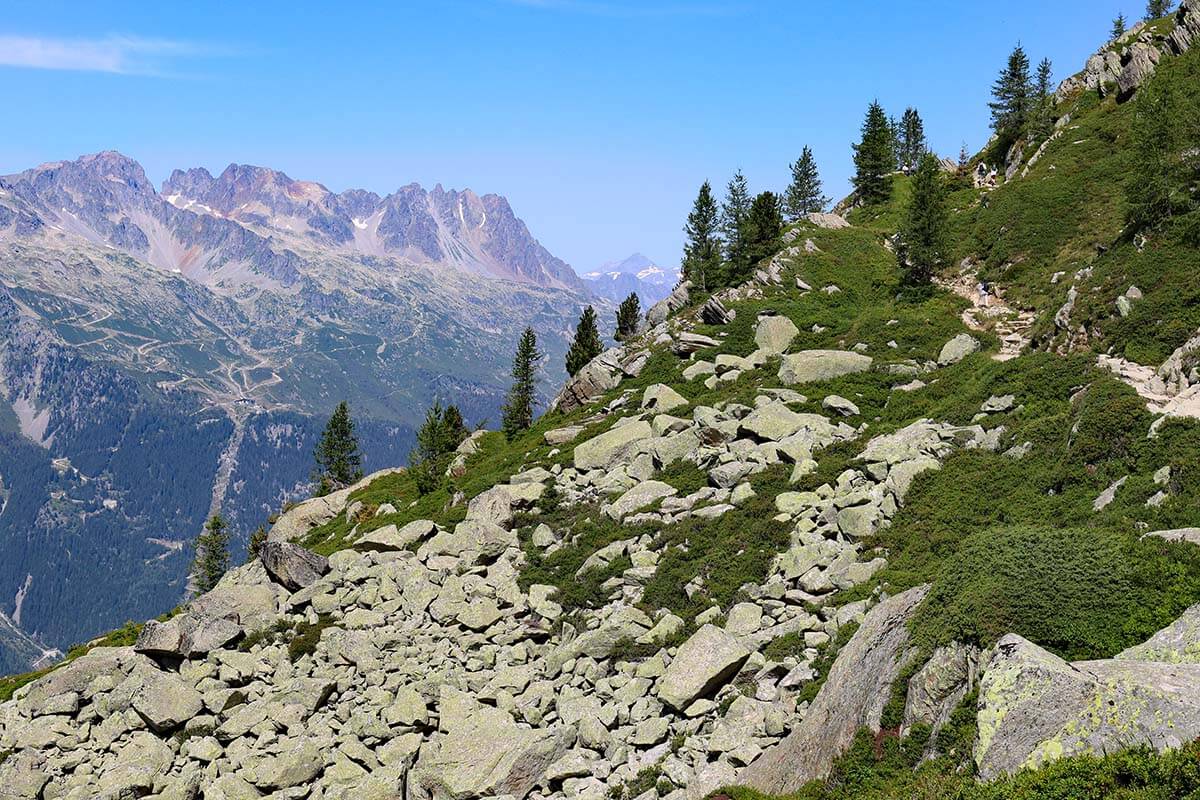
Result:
983,293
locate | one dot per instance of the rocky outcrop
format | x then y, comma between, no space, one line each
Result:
852,697
294,523
600,375
1034,707
677,299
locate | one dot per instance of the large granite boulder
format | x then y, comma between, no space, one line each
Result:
301,518
957,349
1034,707
605,450
774,334
703,663
821,365
853,696
292,565
483,753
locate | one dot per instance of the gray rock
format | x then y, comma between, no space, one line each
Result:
389,538
840,405
688,343
640,496
852,697
713,312
601,452
165,701
660,397
1105,498
704,662
957,349
774,334
831,222
939,686
821,365
292,565
1035,707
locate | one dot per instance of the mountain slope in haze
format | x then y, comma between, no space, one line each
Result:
616,280
202,339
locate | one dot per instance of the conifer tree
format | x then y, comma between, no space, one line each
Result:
1157,9
439,435
517,415
211,560
254,546
1163,181
923,237
734,211
1118,27
912,139
1042,119
628,314
1012,95
338,459
702,251
763,228
804,192
874,158
587,344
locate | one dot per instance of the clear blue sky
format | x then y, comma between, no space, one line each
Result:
597,118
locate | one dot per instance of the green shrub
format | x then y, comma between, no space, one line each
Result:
1080,593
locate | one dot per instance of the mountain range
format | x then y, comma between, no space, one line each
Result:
616,280
172,353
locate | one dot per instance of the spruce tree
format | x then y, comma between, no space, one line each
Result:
1042,119
702,251
1012,95
254,546
517,414
764,226
912,140
628,314
338,459
587,344
211,560
924,239
804,192
874,158
1118,27
1161,183
1157,9
734,211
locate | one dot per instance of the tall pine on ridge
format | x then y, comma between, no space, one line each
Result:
338,459
764,226
734,211
1156,9
1011,93
587,344
912,140
211,561
1118,27
924,243
517,415
804,192
628,314
874,158
702,251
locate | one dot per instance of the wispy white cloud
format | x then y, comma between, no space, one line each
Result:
119,55
637,8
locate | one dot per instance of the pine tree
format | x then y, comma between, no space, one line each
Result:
702,252
734,211
628,314
924,241
912,139
254,546
1118,27
338,459
1042,119
1011,92
804,193
764,226
211,560
439,435
517,415
1161,183
1157,9
874,158
587,344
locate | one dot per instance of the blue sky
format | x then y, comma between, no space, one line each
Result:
598,119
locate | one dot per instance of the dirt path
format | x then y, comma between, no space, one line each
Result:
1009,324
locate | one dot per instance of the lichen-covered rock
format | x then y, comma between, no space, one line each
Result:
1034,707
704,662
957,349
939,686
660,397
852,697
601,452
821,365
774,334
